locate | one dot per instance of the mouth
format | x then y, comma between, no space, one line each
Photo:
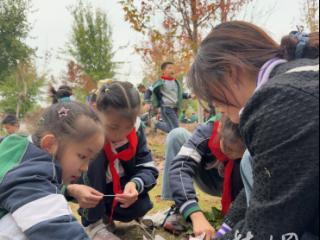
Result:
74,179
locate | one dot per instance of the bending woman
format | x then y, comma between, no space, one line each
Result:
272,90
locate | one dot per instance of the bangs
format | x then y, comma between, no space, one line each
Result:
209,84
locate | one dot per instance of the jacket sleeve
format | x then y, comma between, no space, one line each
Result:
30,194
146,173
238,210
281,129
184,168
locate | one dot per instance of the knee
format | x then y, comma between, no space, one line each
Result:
177,135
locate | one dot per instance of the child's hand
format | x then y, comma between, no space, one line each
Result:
201,226
129,196
87,197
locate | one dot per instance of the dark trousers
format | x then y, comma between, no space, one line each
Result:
170,119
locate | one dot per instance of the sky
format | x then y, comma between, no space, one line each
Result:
52,23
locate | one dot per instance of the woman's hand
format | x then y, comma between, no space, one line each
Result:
202,226
129,196
87,197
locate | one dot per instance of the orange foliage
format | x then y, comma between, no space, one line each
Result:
184,22
76,76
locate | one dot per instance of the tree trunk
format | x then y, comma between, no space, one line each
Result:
23,95
195,43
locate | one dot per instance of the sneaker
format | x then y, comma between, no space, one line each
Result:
100,231
175,224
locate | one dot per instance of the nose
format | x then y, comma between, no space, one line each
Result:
84,167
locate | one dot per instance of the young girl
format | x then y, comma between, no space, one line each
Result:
33,170
124,168
273,91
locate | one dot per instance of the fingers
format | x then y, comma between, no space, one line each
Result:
96,193
128,196
94,198
210,235
126,199
89,201
85,203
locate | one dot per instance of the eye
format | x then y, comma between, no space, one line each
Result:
82,157
112,127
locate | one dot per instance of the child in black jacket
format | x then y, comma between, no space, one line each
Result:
124,171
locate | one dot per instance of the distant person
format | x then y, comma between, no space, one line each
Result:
10,124
183,117
142,89
92,99
63,94
167,94
194,118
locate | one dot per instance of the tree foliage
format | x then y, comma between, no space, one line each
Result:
14,29
183,26
20,91
310,13
91,42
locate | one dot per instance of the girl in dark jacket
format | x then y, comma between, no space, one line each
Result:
124,172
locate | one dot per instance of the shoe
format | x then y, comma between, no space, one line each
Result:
175,224
100,231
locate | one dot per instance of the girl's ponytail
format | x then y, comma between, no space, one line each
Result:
53,94
63,94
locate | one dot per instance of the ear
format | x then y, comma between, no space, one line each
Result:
49,144
234,74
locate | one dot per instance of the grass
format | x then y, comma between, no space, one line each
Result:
132,231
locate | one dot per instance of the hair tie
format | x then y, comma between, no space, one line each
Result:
63,112
107,90
303,40
64,100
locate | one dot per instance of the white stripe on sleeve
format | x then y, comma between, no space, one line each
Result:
41,210
189,152
314,68
10,229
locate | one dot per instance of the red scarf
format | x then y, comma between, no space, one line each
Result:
125,155
214,145
168,78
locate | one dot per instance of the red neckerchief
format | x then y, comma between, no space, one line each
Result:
125,155
168,78
214,145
